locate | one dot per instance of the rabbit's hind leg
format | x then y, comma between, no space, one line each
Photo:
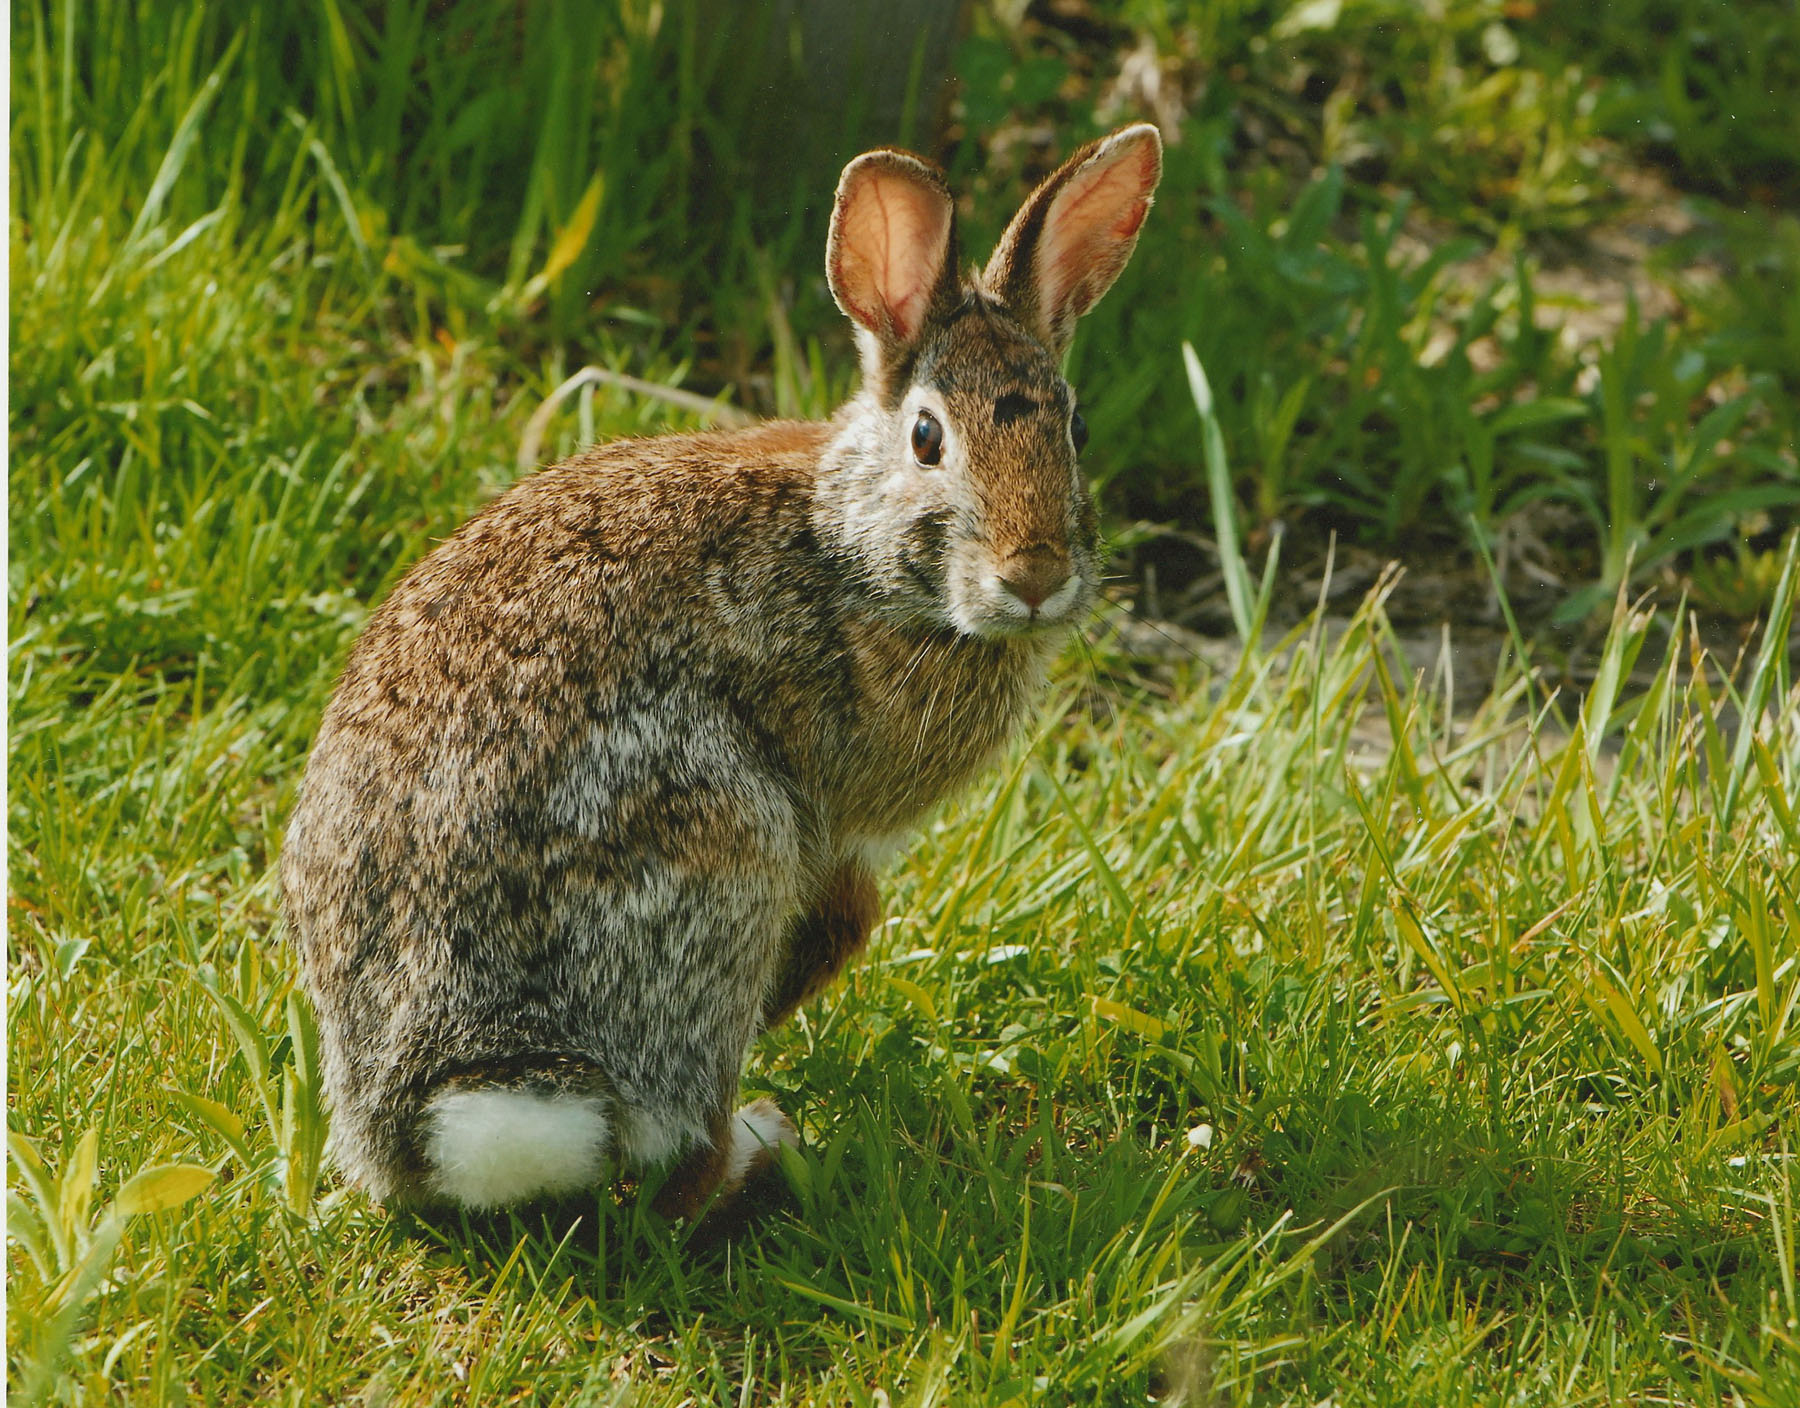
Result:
496,1139
737,1148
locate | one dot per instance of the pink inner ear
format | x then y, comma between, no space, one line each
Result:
891,250
1092,222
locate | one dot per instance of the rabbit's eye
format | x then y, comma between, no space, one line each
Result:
927,439
1078,431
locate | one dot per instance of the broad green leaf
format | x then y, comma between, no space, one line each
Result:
76,1193
1130,1018
42,1185
161,1188
214,1115
916,995
1626,1015
251,1043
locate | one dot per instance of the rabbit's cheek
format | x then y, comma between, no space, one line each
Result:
1065,602
980,606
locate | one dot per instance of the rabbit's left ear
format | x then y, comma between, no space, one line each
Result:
1072,238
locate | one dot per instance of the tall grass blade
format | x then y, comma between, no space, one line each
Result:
180,146
1238,591
1771,664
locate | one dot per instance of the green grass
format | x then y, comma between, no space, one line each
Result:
1356,221
1354,233
1489,1012
1492,1025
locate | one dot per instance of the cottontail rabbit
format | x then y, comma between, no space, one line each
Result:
601,791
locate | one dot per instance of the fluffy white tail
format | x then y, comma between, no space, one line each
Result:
489,1148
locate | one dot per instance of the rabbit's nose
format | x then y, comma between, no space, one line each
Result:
1034,574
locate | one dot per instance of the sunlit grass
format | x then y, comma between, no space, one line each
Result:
1217,1035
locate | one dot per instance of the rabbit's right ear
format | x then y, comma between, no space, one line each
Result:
891,255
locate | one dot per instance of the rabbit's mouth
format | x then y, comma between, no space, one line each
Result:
1014,601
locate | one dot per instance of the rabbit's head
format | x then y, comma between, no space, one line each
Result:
956,479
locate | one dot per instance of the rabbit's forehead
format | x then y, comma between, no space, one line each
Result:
989,371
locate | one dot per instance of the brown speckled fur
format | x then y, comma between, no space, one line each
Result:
597,795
